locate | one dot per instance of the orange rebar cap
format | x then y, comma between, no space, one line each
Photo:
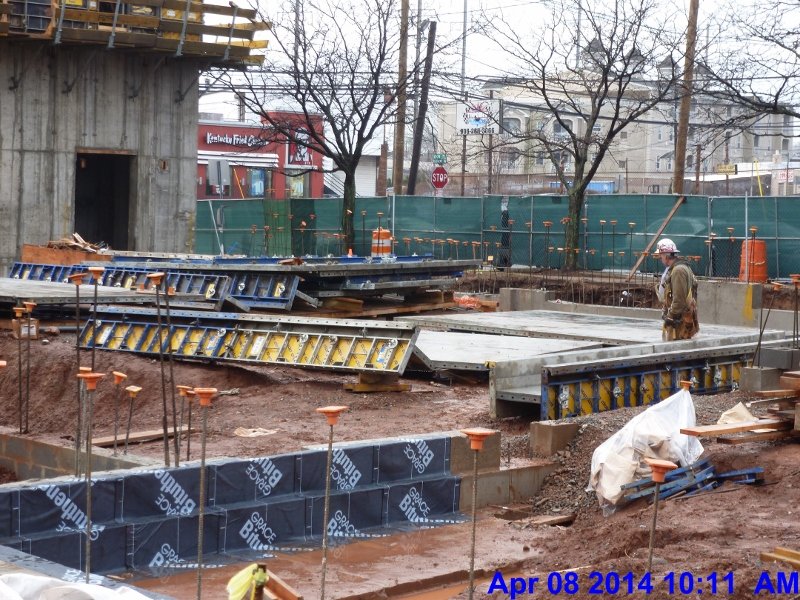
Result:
156,277
119,377
660,468
91,379
205,395
84,369
29,306
133,390
686,384
19,311
77,278
3,363
477,435
182,389
332,413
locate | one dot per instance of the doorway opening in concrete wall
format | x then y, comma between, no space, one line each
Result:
102,198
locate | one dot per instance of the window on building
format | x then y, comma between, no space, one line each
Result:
540,158
660,134
298,186
512,125
658,164
623,164
509,157
559,131
623,135
245,182
787,119
785,144
756,141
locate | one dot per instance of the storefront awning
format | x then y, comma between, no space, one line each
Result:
265,160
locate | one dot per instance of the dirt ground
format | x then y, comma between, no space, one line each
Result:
716,533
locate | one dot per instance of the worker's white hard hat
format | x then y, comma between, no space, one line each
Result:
666,246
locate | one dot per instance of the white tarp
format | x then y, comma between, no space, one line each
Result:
21,586
654,433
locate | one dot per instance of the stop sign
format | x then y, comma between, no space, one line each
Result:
439,178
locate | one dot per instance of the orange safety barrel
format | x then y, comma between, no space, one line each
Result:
753,265
381,242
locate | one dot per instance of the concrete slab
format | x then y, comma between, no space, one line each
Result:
607,329
471,351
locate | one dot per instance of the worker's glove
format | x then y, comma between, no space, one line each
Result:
670,322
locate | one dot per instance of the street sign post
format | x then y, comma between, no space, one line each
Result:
439,178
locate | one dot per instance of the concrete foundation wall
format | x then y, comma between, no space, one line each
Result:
67,100
34,459
719,303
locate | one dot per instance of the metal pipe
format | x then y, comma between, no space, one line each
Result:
332,414
18,312
29,306
205,395
156,278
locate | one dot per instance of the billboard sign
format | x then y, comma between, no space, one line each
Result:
478,117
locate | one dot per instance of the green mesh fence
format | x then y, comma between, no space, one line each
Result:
613,232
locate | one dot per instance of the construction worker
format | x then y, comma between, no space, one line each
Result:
677,292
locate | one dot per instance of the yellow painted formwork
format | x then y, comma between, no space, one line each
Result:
598,391
346,348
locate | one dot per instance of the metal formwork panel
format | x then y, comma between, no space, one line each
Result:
344,345
252,288
577,394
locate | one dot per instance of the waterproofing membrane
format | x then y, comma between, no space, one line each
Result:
149,519
252,481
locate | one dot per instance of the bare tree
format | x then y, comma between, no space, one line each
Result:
754,61
584,94
332,62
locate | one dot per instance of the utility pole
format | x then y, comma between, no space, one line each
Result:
400,125
686,99
490,162
419,125
418,37
464,95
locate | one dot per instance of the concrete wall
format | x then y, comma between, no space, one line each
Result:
70,99
719,303
34,459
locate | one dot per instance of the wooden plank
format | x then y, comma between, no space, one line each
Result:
776,394
714,430
377,382
348,304
201,29
747,437
774,557
281,589
787,552
58,256
137,437
790,383
797,417
792,374
89,16
245,13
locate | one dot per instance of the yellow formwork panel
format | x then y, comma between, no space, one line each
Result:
355,352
